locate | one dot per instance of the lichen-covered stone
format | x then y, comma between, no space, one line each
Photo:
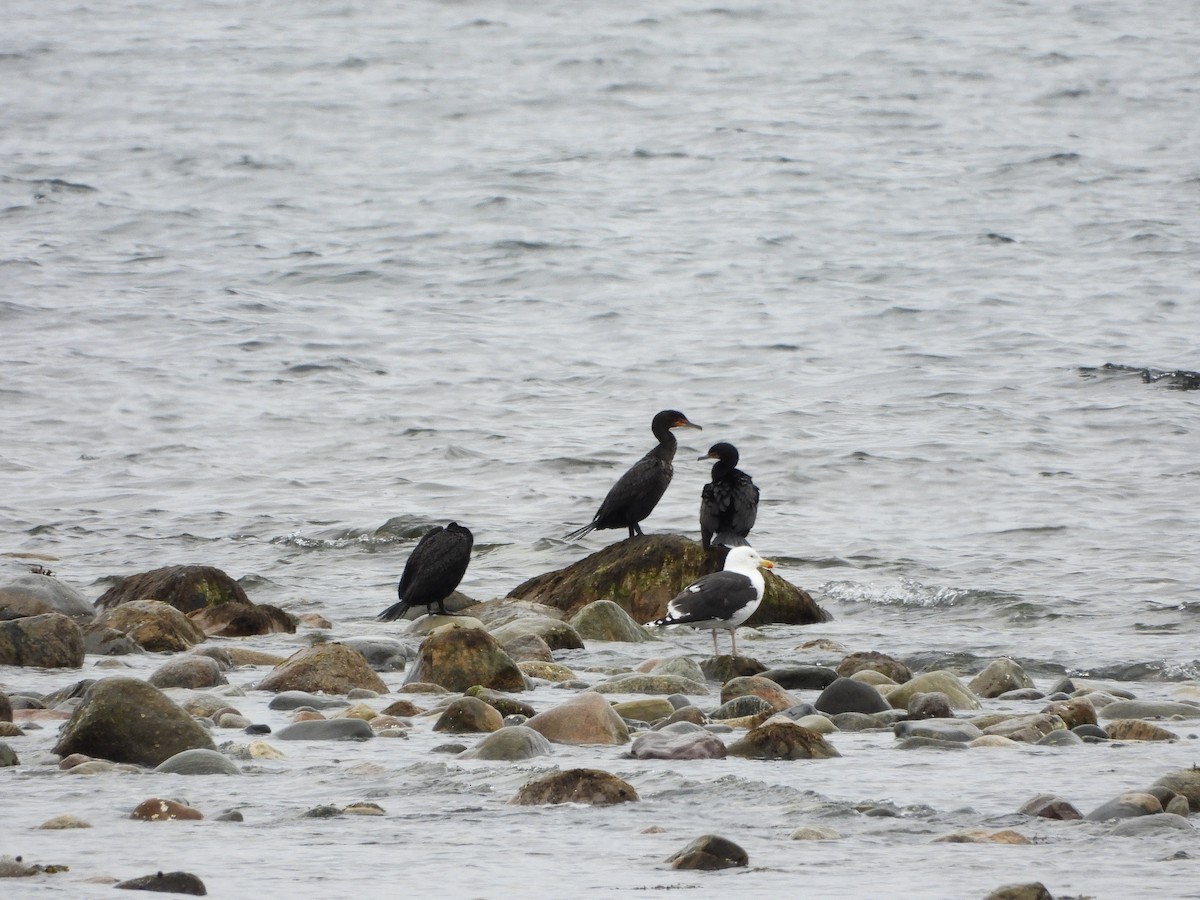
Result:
155,626
468,715
50,641
457,658
709,853
330,668
1000,676
641,574
187,588
872,660
590,786
243,620
603,620
757,686
782,740
191,672
959,695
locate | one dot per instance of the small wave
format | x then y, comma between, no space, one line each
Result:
1174,379
909,592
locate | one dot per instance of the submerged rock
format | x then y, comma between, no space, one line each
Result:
326,730
468,715
188,672
158,810
874,661
331,668
35,594
1033,890
512,743
662,745
198,762
590,786
243,620
850,695
641,574
959,695
1049,806
166,883
1185,782
1000,676
1126,806
50,641
585,719
709,853
127,720
782,740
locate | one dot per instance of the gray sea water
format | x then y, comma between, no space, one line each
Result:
284,284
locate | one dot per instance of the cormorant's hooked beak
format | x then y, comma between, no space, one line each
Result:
684,423
707,456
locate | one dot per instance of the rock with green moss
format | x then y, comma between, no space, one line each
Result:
330,668
126,720
154,626
603,620
642,574
50,641
187,588
458,658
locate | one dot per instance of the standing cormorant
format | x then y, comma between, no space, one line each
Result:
638,491
728,503
433,571
723,599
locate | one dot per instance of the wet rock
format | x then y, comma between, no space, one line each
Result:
873,678
933,705
63,823
802,678
286,700
49,641
956,730
402,708
1149,709
546,671
198,762
512,743
457,658
558,635
852,721
876,662
186,588
849,695
381,654
166,883
782,740
1000,676
983,836
127,720
529,648
158,810
1090,734
35,594
690,714
695,745
1174,803
590,786
428,623
1126,806
651,709
723,668
324,811
635,683
247,656
8,756
1074,713
741,707
243,620
502,703
757,686
326,730
1049,806
709,853
331,668
1152,825
1185,782
585,719
682,666
154,626
603,620
188,672
946,682
1059,738
6,710
1026,729
468,715
643,573
1033,890
100,640
1137,730
815,833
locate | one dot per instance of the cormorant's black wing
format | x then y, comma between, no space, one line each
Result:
434,568
728,508
635,494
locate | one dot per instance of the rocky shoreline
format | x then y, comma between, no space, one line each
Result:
559,704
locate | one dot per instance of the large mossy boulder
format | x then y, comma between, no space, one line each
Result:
642,574
50,641
128,720
457,657
187,588
330,668
35,594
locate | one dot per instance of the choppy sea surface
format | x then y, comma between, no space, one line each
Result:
284,284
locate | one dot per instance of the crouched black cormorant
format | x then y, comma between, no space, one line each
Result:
723,599
728,503
434,569
638,491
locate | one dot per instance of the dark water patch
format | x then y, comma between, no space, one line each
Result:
43,186
1151,670
1173,379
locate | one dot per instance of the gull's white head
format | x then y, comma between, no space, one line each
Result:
746,559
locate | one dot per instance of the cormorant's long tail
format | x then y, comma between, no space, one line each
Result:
395,611
580,532
729,539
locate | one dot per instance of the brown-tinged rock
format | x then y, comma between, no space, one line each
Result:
603,620
1185,782
999,677
693,745
585,719
49,641
191,672
1033,890
37,594
158,810
1138,730
402,708
546,671
502,703
641,574
155,626
874,661
983,836
1126,806
243,620
782,740
331,668
1075,712
529,648
457,657
1048,806
167,883
1027,729
709,853
590,786
757,686
948,683
468,715
186,588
